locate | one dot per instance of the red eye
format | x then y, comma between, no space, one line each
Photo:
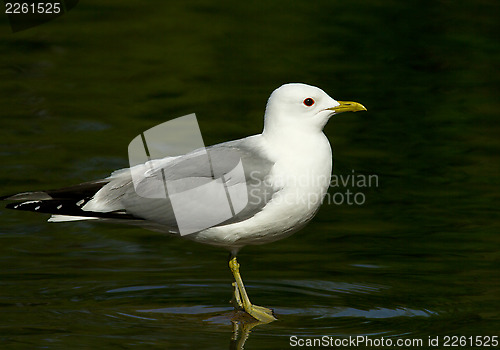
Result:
308,102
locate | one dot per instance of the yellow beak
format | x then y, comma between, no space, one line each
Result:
348,106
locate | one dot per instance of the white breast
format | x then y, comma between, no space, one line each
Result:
302,173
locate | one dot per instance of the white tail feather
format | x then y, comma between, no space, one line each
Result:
63,218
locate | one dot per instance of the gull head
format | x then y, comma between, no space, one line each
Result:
303,107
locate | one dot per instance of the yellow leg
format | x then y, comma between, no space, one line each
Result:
236,298
240,296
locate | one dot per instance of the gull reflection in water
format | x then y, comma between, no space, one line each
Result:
243,324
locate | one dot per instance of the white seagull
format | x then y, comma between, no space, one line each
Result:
287,171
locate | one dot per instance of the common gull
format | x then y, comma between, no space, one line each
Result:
286,168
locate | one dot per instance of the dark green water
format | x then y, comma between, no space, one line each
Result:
419,258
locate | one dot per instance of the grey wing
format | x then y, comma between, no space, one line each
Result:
189,188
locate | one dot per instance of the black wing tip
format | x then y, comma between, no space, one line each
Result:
31,205
9,205
66,201
53,206
67,208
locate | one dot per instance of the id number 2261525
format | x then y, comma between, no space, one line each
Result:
33,8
